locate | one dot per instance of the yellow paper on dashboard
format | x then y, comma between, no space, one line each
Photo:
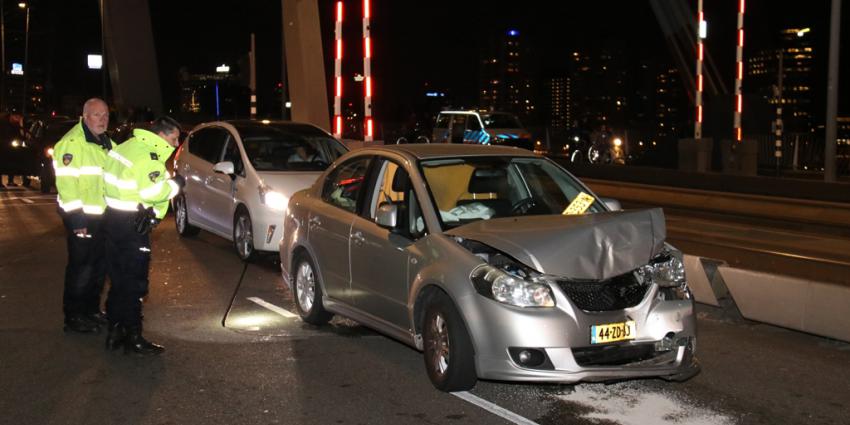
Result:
579,205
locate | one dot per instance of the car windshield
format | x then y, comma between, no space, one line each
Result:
501,121
468,189
276,149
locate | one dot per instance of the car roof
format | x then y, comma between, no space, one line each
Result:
440,150
247,125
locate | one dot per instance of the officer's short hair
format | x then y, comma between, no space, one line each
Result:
164,124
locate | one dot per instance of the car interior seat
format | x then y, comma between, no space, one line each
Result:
485,182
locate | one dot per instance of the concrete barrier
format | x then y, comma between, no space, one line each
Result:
804,305
699,281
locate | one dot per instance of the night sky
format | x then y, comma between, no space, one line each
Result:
415,42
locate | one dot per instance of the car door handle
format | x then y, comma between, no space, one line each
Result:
357,238
314,222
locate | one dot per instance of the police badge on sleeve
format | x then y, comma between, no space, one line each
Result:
153,176
67,158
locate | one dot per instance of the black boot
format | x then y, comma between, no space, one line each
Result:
80,324
135,343
98,317
115,337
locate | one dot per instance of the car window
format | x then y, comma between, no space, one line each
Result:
480,188
208,143
459,120
501,121
272,148
443,121
232,154
344,184
473,124
392,186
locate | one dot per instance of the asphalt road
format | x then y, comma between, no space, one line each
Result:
248,362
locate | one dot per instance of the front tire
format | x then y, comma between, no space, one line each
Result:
308,293
448,353
181,218
243,235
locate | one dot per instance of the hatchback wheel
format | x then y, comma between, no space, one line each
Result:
243,235
308,293
181,218
448,353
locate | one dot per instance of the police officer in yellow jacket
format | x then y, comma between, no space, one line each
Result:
78,160
137,192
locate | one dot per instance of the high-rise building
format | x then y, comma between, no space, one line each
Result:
599,89
506,83
796,52
558,102
669,103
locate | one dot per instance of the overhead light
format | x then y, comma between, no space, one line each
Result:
95,61
222,69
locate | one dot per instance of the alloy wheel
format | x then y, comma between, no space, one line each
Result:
305,287
181,215
244,237
439,347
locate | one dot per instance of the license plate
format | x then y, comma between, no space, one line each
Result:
600,334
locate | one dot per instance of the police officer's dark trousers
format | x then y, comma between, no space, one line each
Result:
86,269
128,256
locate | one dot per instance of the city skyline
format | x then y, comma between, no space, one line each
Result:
418,47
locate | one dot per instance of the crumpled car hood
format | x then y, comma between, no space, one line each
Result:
593,246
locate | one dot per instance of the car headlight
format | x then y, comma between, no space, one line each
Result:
274,200
668,272
497,284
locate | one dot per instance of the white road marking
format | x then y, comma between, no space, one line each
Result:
493,408
279,310
632,404
29,201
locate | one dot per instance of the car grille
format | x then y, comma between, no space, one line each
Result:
617,293
619,355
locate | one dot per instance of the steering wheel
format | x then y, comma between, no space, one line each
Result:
522,206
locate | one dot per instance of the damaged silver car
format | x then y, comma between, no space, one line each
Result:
496,262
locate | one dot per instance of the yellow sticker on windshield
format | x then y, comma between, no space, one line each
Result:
579,205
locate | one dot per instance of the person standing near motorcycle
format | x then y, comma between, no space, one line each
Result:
600,149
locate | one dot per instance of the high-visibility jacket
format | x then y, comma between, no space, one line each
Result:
135,174
78,165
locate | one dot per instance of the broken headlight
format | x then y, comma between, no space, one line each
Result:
505,279
668,272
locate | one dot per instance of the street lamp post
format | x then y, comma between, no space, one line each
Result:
23,5
2,58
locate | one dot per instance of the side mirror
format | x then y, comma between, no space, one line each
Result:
612,204
224,167
387,216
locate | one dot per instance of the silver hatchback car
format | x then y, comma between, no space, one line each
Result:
496,262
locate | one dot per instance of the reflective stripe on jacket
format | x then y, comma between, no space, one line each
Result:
135,174
78,166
